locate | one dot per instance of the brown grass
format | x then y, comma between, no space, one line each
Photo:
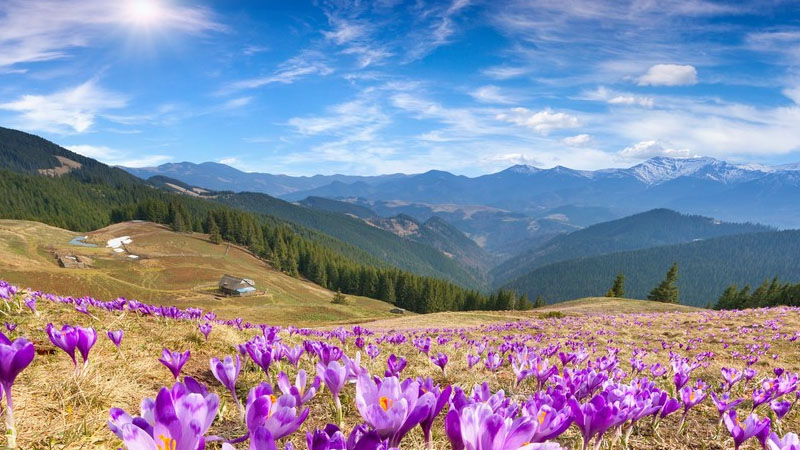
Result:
56,409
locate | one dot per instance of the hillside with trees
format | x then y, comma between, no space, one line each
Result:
706,268
95,195
653,228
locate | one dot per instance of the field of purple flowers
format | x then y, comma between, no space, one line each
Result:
84,373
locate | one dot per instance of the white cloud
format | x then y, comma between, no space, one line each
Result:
491,94
116,157
505,72
357,119
43,30
237,102
669,75
542,122
650,149
303,65
618,98
230,161
70,110
578,140
646,102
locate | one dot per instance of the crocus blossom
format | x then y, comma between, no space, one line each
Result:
15,356
174,360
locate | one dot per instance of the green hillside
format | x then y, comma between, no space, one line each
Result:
706,268
380,244
653,228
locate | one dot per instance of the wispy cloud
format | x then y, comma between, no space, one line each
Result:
305,64
115,157
492,94
542,122
43,30
72,110
649,149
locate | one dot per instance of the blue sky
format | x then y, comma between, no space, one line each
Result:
390,86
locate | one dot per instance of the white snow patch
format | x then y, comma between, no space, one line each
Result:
119,250
116,243
133,256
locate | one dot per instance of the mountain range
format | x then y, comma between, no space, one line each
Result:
558,232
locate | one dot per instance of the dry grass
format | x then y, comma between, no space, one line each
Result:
56,409
177,269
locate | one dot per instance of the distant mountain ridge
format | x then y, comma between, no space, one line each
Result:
653,228
221,177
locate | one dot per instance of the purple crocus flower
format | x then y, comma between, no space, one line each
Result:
731,376
71,338
11,326
440,360
328,438
15,356
115,337
395,365
391,409
483,429
278,415
205,329
724,403
227,372
66,339
86,340
549,421
299,390
741,432
174,361
293,354
373,351
593,418
335,376
441,398
780,408
790,441
362,438
177,419
472,360
30,302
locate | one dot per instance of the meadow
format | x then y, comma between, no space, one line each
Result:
583,380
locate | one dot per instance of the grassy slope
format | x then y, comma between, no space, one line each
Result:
583,306
57,410
176,269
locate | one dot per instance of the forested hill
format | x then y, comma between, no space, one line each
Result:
90,195
652,228
381,244
706,268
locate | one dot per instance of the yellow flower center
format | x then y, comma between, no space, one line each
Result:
386,403
167,443
542,415
691,396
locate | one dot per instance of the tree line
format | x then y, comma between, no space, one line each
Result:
772,292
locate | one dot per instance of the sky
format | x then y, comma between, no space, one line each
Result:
387,86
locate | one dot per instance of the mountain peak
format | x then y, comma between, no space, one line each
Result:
661,169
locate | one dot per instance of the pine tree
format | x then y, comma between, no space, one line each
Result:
539,302
667,290
618,288
213,230
523,303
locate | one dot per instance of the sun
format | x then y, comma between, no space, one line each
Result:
143,12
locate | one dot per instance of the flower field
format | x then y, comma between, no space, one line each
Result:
81,373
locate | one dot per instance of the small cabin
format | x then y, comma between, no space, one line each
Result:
236,287
74,261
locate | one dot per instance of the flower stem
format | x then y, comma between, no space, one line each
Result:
338,411
11,431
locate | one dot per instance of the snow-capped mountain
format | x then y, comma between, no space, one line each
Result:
661,169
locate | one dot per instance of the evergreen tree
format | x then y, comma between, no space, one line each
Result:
539,302
523,303
618,288
667,290
213,230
